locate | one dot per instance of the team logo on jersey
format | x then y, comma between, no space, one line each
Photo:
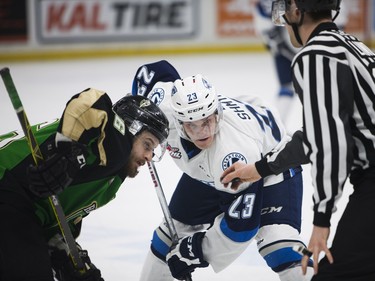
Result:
83,211
90,208
157,95
174,152
232,158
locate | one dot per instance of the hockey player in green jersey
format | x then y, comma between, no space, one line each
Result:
88,154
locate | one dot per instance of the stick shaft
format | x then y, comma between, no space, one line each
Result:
38,158
164,207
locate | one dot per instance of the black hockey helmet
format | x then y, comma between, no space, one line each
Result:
317,5
279,8
140,113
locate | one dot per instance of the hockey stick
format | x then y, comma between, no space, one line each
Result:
164,207
38,158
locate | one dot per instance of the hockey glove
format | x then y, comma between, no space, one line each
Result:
186,256
64,269
57,171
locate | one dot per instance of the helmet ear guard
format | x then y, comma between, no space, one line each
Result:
139,114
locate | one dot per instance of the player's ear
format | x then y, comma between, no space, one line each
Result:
296,14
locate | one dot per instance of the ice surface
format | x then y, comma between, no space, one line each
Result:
118,235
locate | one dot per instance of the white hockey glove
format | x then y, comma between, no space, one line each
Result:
186,256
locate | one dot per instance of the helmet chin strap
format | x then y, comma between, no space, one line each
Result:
295,28
296,25
336,15
296,33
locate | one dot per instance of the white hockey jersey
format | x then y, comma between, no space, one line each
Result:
247,132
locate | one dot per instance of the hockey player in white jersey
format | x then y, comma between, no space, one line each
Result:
216,224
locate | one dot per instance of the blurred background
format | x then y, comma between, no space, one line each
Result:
60,29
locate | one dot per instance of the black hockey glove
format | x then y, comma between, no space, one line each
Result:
58,170
186,256
65,271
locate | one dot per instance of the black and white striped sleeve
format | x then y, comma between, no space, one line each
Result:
333,76
323,80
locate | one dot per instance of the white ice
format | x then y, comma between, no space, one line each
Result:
118,235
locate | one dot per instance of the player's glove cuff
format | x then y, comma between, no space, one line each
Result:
187,255
54,174
63,267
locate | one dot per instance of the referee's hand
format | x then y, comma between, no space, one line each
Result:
238,173
317,244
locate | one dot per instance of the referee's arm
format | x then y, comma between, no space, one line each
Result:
326,129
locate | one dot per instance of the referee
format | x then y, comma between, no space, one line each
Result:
334,77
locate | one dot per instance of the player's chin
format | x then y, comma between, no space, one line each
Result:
133,174
133,170
204,143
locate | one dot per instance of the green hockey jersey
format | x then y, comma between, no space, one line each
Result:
88,118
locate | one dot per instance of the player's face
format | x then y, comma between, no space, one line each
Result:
202,132
142,151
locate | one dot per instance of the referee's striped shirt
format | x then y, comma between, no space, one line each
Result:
334,76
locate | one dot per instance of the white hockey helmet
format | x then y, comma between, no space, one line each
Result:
194,98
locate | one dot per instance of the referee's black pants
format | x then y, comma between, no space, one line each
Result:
353,246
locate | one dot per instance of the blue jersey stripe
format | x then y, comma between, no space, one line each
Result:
242,236
281,256
159,245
